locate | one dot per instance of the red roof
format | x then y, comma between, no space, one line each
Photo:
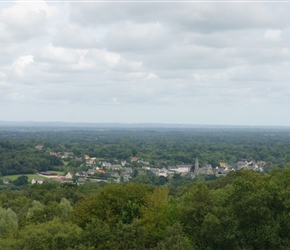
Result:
134,159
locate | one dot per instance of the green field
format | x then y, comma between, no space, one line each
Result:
31,176
57,172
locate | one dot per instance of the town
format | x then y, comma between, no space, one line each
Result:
123,171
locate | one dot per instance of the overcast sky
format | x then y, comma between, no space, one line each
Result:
184,63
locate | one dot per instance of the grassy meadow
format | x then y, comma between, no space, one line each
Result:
31,176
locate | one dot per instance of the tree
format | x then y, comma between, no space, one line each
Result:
40,213
156,215
175,239
65,208
128,236
8,220
111,204
21,181
196,204
49,235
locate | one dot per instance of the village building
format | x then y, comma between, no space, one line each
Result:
54,153
37,180
113,174
116,167
207,169
90,161
223,165
196,167
5,181
69,175
128,170
144,162
134,159
83,173
48,174
87,157
163,172
106,164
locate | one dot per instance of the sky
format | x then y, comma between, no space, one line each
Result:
214,63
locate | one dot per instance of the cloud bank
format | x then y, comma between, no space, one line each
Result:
198,63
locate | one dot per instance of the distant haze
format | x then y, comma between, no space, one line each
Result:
29,125
212,63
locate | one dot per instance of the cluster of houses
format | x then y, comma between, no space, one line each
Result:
252,165
62,155
123,171
65,155
116,171
68,178
193,171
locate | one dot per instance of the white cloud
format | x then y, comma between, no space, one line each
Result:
25,20
205,17
160,60
135,37
18,67
51,12
3,83
57,54
16,97
272,35
151,75
74,36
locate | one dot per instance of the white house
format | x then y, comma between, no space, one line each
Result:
69,175
37,180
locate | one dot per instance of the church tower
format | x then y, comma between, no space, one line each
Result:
196,167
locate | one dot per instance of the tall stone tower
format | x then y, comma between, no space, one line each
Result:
196,167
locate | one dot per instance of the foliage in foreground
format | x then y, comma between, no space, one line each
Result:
244,210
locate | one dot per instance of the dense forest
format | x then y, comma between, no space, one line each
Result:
19,156
241,210
244,210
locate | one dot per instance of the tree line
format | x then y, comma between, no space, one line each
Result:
159,147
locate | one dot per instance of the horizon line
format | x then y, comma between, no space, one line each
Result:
142,123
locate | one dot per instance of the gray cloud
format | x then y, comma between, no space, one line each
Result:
73,36
25,21
145,62
204,17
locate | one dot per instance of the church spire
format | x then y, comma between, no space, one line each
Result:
196,167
